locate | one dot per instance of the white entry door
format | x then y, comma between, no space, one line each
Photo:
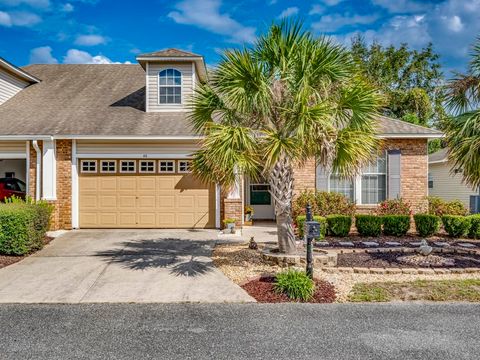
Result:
259,198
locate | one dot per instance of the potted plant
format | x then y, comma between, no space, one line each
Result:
248,214
230,225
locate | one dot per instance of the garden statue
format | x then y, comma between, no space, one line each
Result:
424,248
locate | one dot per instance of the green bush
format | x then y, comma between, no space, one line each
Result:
300,221
394,207
369,225
295,284
396,225
474,232
339,225
323,203
426,224
440,207
456,225
23,226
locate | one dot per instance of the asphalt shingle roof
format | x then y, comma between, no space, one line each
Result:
169,53
108,100
440,155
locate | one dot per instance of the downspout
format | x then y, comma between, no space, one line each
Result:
39,169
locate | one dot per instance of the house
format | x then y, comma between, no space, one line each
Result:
110,146
445,182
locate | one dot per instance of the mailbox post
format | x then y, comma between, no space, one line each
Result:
311,231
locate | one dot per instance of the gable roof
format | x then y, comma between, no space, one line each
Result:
22,74
109,100
438,157
172,52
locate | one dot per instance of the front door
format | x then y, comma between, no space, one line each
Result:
259,197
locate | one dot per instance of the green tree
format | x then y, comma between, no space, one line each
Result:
408,78
269,108
463,130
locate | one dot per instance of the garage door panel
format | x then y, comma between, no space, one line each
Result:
145,201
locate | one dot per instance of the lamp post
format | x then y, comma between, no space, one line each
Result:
312,231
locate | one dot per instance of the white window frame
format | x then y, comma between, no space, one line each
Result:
128,171
88,171
168,86
108,171
179,166
166,171
359,181
146,171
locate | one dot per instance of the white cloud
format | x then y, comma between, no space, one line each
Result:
19,18
332,2
75,56
32,3
316,10
402,6
454,23
206,14
290,11
67,7
42,55
330,23
90,40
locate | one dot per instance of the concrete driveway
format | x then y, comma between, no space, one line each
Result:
92,266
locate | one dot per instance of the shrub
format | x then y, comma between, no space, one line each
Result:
426,224
23,226
474,232
394,207
396,225
456,225
295,284
369,225
440,207
323,203
339,225
300,221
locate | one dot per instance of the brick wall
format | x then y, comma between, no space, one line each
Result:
63,205
32,171
414,173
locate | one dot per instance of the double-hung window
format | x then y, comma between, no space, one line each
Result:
374,181
170,87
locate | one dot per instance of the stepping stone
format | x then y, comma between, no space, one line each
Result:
346,243
415,243
369,243
466,245
392,243
322,243
441,244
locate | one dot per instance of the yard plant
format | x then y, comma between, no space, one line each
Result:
300,221
369,225
323,203
394,207
289,98
440,207
339,225
396,225
426,224
295,284
474,232
456,225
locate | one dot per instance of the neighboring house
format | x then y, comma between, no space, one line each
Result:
110,147
445,182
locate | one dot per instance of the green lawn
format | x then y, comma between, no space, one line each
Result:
430,290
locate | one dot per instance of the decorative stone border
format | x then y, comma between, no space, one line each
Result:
320,258
393,271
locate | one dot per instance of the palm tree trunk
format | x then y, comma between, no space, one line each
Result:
281,188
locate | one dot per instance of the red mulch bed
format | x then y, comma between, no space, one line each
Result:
263,291
6,260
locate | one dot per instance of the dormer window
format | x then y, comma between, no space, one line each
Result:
170,87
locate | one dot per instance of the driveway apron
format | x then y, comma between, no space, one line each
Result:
139,266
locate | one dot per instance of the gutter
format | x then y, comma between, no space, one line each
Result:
38,169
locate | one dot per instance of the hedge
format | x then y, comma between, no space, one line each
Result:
23,227
474,232
396,225
369,225
323,225
322,203
426,224
339,225
456,225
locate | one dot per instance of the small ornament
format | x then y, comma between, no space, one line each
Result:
252,244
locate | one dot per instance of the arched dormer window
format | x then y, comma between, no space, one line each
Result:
170,87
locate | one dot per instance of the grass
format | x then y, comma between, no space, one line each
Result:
429,290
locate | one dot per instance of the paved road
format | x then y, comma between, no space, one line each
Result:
239,331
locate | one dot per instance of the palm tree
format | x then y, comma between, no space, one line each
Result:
463,130
271,107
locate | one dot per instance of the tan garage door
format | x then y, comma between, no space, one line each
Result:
143,200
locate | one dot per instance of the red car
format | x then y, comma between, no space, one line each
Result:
12,186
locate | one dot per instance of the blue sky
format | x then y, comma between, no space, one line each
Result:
102,31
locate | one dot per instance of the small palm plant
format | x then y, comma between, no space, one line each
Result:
463,130
269,108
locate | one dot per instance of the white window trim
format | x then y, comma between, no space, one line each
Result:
146,172
184,172
166,172
128,172
88,171
181,88
108,171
